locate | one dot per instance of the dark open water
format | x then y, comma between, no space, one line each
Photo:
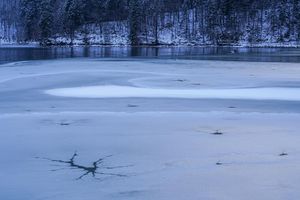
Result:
12,54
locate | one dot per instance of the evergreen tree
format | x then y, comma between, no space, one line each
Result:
74,16
134,21
46,21
30,16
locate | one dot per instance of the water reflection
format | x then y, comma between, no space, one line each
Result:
203,53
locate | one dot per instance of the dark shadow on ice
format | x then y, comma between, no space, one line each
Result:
132,106
180,80
96,168
219,163
217,133
283,154
64,124
231,107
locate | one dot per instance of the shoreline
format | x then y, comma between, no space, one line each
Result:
36,45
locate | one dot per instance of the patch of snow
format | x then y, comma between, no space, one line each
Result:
112,91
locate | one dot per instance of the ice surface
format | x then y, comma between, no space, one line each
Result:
152,148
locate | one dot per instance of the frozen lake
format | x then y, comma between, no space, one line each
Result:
136,128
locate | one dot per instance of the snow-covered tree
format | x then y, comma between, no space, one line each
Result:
191,21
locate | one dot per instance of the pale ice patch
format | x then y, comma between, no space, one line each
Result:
113,91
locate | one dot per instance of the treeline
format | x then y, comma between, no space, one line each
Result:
217,22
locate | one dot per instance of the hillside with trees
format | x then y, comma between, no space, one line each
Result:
151,22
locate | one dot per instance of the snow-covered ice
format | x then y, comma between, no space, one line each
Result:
152,148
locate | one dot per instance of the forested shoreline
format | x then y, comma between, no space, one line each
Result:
151,22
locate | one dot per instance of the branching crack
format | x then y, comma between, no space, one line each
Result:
97,167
